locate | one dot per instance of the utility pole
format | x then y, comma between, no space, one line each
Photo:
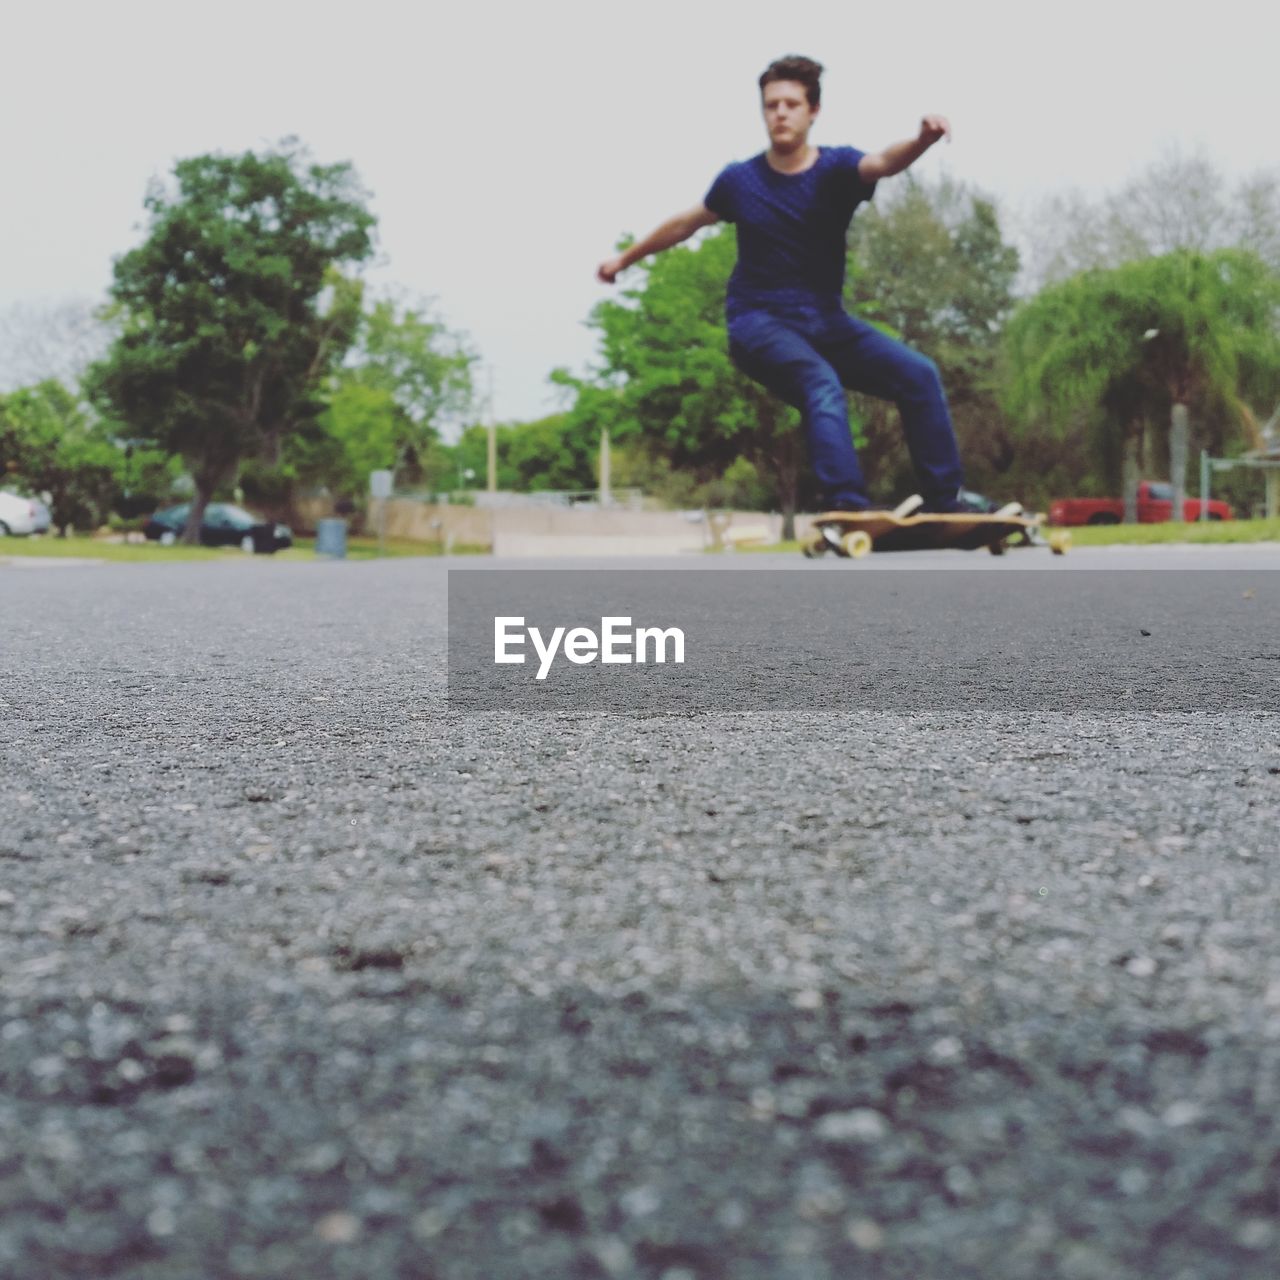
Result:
1179,440
493,435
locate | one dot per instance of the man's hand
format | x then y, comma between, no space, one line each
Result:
934,127
676,228
610,270
902,155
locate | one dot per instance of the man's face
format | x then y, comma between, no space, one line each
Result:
787,114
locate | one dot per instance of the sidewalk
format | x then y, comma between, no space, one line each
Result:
46,562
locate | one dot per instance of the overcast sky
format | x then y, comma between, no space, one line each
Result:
506,146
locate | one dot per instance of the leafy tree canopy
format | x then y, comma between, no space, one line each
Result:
231,311
532,457
407,376
50,444
1121,347
930,264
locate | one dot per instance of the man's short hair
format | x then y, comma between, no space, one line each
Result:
802,70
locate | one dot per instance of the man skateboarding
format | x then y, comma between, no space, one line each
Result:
788,329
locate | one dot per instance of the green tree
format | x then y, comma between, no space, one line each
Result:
469,460
1145,343
532,457
406,375
414,356
359,431
545,454
49,444
424,370
231,311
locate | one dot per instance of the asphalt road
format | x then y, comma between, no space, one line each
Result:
304,974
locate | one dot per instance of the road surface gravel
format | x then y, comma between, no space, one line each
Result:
303,974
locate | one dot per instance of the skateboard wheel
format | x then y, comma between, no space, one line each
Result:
1059,542
856,543
815,548
996,548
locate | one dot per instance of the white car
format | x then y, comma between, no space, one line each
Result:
22,515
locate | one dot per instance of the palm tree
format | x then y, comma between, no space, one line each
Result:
1142,342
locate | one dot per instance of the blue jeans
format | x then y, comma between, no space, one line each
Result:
807,351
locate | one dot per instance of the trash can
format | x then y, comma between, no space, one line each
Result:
331,539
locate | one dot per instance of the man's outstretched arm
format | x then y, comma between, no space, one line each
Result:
902,155
674,230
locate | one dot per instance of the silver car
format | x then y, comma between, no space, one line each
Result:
21,515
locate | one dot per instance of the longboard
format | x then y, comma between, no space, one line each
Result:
855,533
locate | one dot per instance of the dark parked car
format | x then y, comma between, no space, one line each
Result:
224,525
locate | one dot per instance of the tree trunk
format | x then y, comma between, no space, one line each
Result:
62,512
788,496
205,486
209,472
788,484
606,494
1148,463
1131,475
1179,443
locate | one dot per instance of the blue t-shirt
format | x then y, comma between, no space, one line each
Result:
791,227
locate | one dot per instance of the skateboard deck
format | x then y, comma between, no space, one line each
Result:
855,533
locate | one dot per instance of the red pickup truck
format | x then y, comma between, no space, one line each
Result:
1155,505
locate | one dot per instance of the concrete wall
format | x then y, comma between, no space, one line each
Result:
412,521
552,531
